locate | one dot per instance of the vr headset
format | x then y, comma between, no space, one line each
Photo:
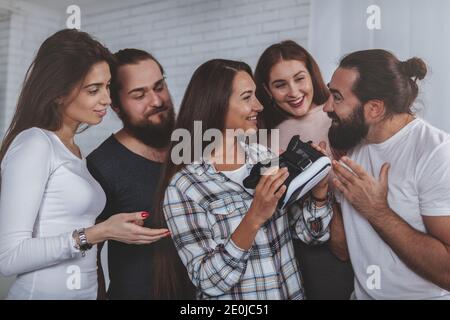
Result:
306,166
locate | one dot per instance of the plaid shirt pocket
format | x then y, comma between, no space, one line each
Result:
226,215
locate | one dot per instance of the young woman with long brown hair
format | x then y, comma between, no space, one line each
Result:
293,93
49,201
233,242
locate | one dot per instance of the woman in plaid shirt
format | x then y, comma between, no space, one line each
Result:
233,242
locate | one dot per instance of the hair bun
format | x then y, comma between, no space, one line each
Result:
415,68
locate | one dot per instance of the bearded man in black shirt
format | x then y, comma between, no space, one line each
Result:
128,166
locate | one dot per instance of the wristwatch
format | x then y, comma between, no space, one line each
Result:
81,241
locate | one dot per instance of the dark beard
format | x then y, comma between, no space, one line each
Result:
349,132
153,135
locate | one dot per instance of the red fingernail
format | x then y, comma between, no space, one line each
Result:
144,214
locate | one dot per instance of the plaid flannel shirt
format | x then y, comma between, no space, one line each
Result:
203,208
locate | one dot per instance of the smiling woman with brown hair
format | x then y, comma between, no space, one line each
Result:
291,88
234,242
47,195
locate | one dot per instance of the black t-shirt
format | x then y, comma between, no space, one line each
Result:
130,182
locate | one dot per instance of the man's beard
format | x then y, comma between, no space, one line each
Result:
348,133
156,135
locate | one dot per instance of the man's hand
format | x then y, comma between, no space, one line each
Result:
367,194
427,254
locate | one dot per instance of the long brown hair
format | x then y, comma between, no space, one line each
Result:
62,62
272,115
206,99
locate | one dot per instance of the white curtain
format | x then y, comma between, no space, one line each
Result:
408,28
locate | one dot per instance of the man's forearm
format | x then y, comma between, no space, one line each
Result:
422,253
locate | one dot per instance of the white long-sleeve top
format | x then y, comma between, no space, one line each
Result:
46,193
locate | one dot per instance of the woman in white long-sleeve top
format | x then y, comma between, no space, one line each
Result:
48,200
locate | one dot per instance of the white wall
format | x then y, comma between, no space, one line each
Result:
29,25
182,34
408,28
4,42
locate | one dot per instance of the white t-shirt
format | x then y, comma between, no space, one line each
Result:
46,193
419,185
239,175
